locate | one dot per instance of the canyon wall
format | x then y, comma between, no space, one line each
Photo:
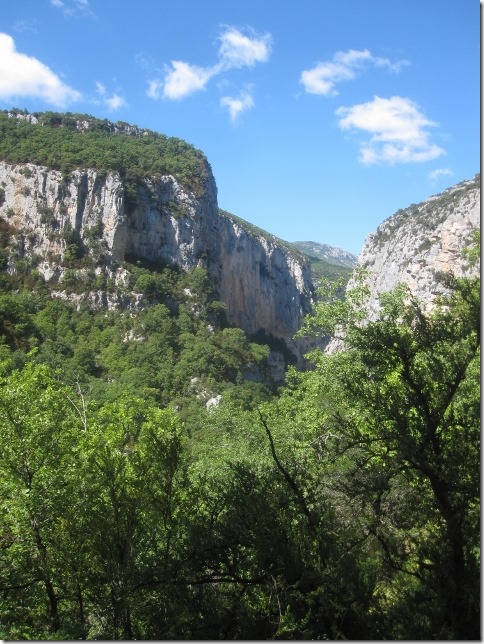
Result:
418,243
266,288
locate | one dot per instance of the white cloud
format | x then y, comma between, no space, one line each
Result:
25,76
155,88
344,66
440,172
237,50
237,105
184,79
26,25
397,127
113,102
73,7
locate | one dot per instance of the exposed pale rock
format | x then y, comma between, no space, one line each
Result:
213,402
418,243
263,285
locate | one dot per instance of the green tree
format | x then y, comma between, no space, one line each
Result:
402,410
38,428
134,475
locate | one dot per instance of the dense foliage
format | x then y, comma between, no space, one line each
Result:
345,507
155,485
68,141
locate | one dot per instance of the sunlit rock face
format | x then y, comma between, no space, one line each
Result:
422,241
265,287
417,245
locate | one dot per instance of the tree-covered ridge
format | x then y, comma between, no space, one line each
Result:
322,269
330,254
69,141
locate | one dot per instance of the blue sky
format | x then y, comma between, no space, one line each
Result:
320,118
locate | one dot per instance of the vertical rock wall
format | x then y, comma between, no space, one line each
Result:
263,285
418,243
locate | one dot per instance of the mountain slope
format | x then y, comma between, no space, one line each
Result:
420,242
102,196
330,254
327,262
417,246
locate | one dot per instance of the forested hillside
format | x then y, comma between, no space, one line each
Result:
156,484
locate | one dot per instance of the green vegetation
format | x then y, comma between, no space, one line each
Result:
155,485
344,507
68,141
322,269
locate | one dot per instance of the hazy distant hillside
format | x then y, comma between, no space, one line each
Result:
327,261
330,254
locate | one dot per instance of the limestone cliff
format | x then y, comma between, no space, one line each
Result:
416,244
265,287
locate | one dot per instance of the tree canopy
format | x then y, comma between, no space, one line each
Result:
68,141
344,507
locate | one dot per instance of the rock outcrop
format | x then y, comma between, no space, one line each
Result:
264,286
416,244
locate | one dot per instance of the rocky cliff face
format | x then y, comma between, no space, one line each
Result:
418,243
264,286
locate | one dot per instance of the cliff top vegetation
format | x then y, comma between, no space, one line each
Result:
67,141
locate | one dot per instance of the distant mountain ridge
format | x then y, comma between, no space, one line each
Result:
327,262
330,254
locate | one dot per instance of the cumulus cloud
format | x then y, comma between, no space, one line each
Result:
236,50
344,66
111,102
183,79
25,76
439,172
397,127
237,105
